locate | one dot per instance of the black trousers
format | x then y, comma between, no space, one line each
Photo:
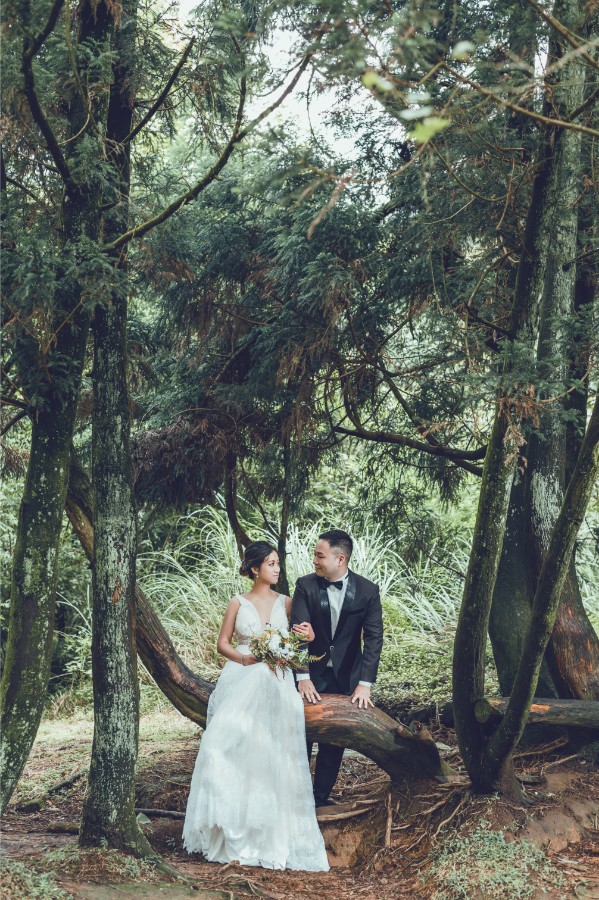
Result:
328,759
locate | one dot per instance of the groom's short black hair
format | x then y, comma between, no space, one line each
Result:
339,540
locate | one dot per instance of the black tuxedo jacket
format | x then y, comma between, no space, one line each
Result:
361,618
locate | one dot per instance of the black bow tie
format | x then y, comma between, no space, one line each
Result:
325,583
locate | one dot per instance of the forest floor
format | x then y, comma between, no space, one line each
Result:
427,840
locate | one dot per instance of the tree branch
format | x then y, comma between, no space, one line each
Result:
236,136
30,48
568,35
36,42
162,96
547,120
459,457
17,418
585,104
269,109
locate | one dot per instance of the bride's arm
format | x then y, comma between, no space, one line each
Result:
224,645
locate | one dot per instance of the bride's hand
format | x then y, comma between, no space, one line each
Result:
248,659
305,630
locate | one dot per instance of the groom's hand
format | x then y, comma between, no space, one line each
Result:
307,691
362,695
305,630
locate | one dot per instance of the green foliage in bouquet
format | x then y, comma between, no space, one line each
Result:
281,649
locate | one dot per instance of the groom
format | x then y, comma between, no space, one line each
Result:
343,609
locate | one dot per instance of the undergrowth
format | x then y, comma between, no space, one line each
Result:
87,863
18,881
492,865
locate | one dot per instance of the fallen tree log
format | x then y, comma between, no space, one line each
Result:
399,751
571,713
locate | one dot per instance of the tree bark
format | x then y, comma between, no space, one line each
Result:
109,805
552,453
487,546
283,583
242,538
546,603
512,598
53,376
579,713
574,636
399,751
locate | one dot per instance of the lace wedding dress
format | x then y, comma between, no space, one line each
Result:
251,794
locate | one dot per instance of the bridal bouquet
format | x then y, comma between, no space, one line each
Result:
281,649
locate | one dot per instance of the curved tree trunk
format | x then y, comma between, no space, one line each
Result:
396,749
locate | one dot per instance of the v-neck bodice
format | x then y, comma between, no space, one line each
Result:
248,622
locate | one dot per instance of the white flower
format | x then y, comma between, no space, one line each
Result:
285,653
274,643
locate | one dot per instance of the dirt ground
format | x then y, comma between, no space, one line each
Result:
421,840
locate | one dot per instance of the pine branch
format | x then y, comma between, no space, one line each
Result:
48,28
237,135
162,96
30,48
459,457
16,418
572,39
522,110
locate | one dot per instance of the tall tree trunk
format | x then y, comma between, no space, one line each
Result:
109,806
512,599
34,572
561,673
553,575
574,655
551,186
283,583
242,539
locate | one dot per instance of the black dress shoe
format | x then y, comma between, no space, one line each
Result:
326,802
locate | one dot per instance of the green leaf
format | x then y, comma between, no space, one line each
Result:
142,819
374,81
462,50
428,128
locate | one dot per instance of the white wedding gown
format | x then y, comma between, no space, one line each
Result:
251,793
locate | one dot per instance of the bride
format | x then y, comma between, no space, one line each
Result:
251,795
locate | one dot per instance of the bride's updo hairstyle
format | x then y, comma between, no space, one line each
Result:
254,556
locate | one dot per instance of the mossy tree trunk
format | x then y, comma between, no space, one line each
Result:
542,275
571,668
109,806
51,373
545,607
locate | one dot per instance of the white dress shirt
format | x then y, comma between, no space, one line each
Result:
336,597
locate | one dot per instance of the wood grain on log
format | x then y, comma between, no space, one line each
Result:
401,752
583,713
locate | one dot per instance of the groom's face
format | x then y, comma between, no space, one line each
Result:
328,562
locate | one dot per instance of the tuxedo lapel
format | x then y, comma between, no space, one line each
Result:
324,610
348,602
